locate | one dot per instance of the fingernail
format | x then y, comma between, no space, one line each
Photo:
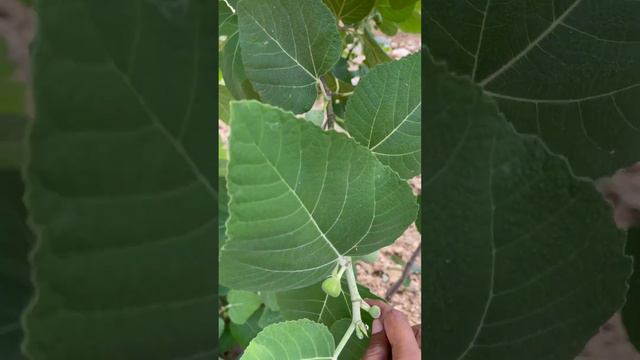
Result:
376,327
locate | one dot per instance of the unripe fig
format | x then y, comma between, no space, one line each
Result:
332,286
374,311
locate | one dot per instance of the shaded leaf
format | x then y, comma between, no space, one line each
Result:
233,72
384,114
220,327
12,92
12,133
568,71
121,180
286,46
15,283
305,340
373,53
395,12
242,304
631,310
306,193
244,333
350,11
522,207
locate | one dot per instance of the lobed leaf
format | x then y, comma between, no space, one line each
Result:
523,257
567,71
300,199
384,114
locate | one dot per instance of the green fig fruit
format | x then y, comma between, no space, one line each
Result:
332,286
374,311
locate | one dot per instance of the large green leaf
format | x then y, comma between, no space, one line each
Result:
300,199
292,340
242,304
122,180
15,283
384,114
233,73
350,11
631,310
286,46
312,303
568,71
524,259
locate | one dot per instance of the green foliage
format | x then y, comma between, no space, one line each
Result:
287,45
242,304
350,11
287,181
317,338
120,179
534,264
568,71
384,114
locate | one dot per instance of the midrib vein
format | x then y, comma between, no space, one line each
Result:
531,45
275,170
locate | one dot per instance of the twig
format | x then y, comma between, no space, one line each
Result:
331,116
407,269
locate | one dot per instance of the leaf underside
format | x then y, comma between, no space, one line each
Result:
568,71
522,206
300,198
121,186
350,11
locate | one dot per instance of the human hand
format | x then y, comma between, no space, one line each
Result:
392,336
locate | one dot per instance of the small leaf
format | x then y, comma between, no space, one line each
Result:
312,195
384,114
350,11
370,258
286,46
523,257
233,72
242,304
398,260
305,340
631,310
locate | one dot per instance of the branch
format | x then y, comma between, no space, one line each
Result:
407,269
328,95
